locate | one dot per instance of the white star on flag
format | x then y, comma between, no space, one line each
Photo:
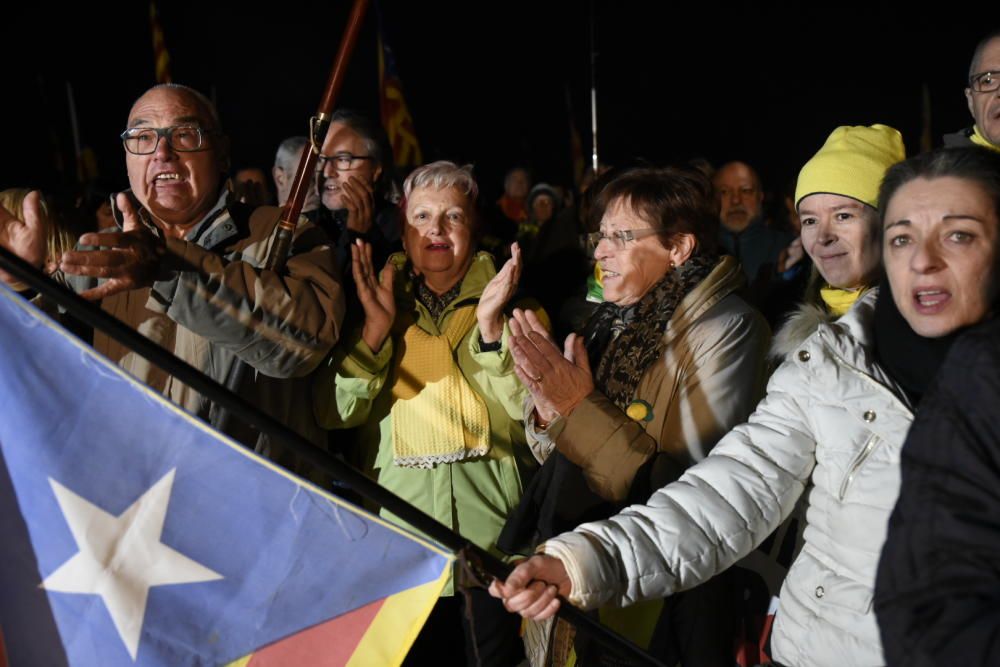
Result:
122,557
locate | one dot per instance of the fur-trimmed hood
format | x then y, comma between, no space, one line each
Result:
796,328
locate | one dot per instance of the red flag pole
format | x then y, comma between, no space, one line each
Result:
285,231
318,125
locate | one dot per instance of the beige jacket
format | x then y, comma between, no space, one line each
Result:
214,303
708,379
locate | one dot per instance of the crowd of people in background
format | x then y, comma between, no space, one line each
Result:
666,395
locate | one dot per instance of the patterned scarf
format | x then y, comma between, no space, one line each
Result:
622,342
436,304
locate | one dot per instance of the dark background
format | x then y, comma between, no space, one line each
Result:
487,82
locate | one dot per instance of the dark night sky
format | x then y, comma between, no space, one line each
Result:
486,81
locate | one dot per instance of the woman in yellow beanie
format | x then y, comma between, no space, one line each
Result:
835,197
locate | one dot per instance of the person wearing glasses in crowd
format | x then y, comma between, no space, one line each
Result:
360,198
186,269
983,97
669,362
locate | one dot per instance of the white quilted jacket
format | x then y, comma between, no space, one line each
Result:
830,413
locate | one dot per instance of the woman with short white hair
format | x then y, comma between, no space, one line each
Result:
430,383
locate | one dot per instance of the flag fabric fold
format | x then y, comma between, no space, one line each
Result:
161,58
395,115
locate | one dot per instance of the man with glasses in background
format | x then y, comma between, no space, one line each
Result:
357,191
187,270
983,96
746,234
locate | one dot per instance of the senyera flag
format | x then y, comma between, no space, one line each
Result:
135,535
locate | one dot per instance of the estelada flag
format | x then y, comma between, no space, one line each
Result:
161,58
396,118
135,535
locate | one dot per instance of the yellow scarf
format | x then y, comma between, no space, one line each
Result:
839,301
978,139
436,416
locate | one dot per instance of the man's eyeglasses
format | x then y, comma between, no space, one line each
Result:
620,237
342,161
184,138
985,82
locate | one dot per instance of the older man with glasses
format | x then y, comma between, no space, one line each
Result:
359,197
983,96
187,269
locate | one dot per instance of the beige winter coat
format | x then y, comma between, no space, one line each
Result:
708,379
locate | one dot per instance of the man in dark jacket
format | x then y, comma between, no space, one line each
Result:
744,232
356,189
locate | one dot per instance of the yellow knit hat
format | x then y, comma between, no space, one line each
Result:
852,163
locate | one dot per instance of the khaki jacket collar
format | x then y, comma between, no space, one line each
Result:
725,278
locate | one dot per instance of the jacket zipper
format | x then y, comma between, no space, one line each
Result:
870,380
858,462
872,439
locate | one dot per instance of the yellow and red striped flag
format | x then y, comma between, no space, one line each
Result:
396,118
161,59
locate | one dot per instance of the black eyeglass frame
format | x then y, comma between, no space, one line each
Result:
168,134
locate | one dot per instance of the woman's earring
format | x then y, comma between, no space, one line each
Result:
672,265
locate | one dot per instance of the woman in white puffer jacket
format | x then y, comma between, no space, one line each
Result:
836,415
828,392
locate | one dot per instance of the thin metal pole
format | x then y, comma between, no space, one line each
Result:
75,127
593,83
